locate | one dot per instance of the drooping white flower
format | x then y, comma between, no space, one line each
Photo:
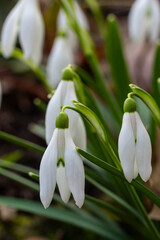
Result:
26,19
134,145
62,54
63,96
62,164
144,20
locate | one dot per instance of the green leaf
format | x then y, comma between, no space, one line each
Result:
21,142
96,10
139,186
148,100
91,117
156,75
64,215
13,156
118,66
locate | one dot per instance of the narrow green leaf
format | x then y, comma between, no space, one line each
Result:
63,215
96,10
139,186
13,156
156,75
21,142
118,66
90,116
17,167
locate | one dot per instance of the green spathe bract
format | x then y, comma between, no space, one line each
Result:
129,105
62,121
68,74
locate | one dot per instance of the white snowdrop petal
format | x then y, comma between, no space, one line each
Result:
74,170
137,21
143,150
53,109
48,168
154,21
62,20
10,29
32,31
75,123
63,184
135,169
61,56
126,147
79,135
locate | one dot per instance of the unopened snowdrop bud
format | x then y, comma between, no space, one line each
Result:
63,96
61,55
144,20
62,164
26,19
134,145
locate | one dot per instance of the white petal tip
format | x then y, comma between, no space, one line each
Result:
80,203
129,178
44,202
145,177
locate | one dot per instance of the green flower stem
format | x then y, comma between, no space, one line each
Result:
18,54
21,142
88,49
97,12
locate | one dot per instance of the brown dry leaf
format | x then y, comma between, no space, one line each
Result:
155,214
7,213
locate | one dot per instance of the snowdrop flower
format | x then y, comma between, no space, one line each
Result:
144,20
134,144
62,54
81,18
62,164
62,97
26,19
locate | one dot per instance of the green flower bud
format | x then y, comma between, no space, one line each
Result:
67,73
129,105
62,120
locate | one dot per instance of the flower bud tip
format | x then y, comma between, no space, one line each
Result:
129,105
62,120
67,73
